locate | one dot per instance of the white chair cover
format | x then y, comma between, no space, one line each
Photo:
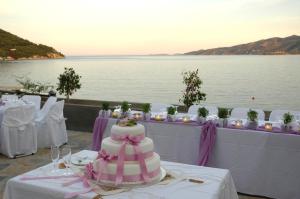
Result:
35,99
277,115
52,127
242,113
48,104
9,97
159,107
18,134
193,110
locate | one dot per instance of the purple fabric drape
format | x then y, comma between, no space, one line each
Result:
207,142
98,131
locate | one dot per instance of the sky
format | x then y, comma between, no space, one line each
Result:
139,27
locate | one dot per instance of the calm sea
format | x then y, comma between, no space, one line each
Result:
229,81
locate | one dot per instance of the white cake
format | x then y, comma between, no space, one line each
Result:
135,169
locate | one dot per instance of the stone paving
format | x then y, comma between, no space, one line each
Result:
13,167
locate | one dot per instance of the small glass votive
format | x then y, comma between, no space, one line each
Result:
268,126
239,123
186,118
158,117
115,114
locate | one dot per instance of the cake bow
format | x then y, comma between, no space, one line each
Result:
133,140
103,158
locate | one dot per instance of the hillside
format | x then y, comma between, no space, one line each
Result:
13,47
272,46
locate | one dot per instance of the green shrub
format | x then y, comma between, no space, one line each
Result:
288,118
202,112
146,108
222,113
252,115
171,110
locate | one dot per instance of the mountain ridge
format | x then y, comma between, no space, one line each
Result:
270,46
13,47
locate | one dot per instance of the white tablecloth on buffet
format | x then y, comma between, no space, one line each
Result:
218,184
261,163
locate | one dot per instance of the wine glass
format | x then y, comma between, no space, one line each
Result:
54,156
66,154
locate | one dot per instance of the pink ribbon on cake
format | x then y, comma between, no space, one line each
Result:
133,140
104,158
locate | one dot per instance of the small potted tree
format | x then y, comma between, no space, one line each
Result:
192,93
105,112
202,114
223,115
171,117
146,110
287,122
68,83
252,119
125,109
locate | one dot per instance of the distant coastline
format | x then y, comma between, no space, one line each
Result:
272,46
14,48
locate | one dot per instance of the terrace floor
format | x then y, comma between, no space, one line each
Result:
13,167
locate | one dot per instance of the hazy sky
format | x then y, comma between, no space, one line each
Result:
94,27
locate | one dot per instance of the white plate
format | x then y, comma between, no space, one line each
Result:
81,160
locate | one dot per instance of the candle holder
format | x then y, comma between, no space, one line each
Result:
115,114
158,118
268,126
186,119
239,123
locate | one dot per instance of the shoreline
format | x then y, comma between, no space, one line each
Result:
27,59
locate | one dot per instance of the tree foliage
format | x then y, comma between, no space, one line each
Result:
68,83
32,86
192,93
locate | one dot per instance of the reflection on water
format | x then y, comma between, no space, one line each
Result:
229,81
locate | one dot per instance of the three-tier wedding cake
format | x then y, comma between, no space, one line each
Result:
126,157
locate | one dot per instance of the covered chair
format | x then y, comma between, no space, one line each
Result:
46,107
9,97
242,113
51,127
277,115
18,134
35,99
159,107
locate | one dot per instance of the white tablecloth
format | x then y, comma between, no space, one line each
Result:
218,184
261,163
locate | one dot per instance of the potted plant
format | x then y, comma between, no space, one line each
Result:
105,112
125,108
223,115
192,93
171,114
146,110
287,122
68,83
252,119
202,114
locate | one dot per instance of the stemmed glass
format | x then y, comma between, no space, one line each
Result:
66,154
54,156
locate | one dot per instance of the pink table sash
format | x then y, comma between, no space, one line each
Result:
98,131
207,142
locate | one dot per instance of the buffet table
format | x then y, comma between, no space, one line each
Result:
261,163
218,184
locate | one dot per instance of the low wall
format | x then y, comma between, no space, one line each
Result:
81,114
